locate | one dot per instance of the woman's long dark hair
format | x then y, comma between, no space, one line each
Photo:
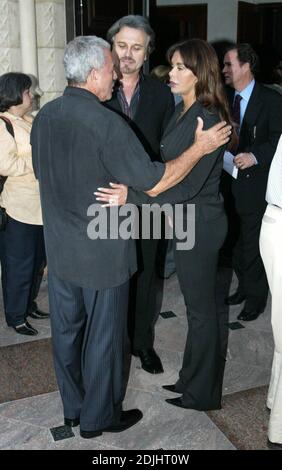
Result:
12,86
200,57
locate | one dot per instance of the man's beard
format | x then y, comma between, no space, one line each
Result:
126,69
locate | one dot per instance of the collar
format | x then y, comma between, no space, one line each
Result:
118,84
11,116
82,92
246,93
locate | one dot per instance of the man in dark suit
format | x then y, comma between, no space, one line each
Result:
257,110
148,106
78,145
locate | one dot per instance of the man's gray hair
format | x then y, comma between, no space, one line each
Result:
83,54
136,22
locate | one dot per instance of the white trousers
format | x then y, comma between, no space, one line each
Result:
271,253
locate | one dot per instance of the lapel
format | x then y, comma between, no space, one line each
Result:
190,116
253,108
253,111
146,101
172,124
113,103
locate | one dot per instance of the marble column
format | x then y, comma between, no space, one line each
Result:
10,56
28,37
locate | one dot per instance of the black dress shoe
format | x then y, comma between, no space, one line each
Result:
171,388
127,419
39,314
249,315
150,361
178,402
235,299
26,329
90,434
72,423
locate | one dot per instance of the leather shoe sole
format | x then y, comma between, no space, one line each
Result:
235,299
171,388
72,423
178,402
128,419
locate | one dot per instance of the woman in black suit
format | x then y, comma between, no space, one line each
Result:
195,75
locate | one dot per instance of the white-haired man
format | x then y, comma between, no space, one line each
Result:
79,145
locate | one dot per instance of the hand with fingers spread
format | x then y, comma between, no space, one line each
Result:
214,137
116,195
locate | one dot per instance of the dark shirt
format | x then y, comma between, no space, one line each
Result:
79,145
128,109
154,109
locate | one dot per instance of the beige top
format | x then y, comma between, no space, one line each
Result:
20,195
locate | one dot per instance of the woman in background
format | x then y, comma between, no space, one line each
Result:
22,244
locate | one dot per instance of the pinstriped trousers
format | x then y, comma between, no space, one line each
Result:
89,334
271,252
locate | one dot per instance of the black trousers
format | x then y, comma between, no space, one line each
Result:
22,262
89,336
201,374
247,262
142,304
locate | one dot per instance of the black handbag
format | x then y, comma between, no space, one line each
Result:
3,214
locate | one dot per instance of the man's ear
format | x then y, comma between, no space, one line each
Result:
92,78
246,67
93,75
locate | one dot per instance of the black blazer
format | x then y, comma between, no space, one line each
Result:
155,108
260,131
201,185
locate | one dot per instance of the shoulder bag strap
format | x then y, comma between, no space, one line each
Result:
10,129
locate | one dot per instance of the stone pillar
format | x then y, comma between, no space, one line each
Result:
51,40
28,37
10,57
222,20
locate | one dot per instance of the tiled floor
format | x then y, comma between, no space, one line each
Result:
25,423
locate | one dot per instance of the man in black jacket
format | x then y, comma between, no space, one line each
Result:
258,110
148,106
